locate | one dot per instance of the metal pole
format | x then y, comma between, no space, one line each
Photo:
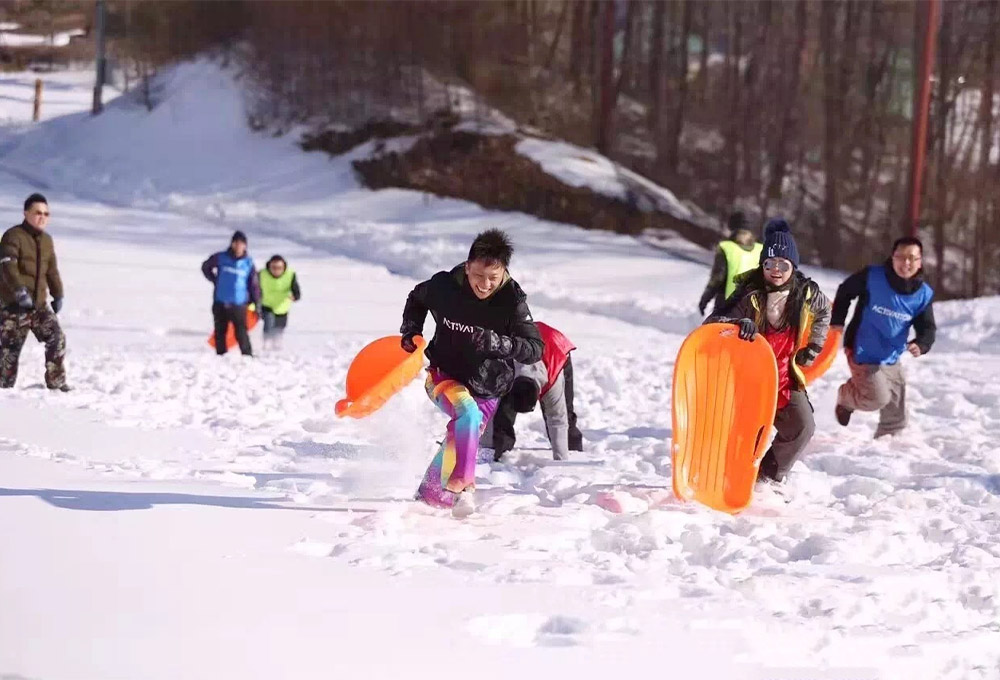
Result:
921,110
101,63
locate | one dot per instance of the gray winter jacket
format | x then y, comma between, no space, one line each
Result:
553,406
554,409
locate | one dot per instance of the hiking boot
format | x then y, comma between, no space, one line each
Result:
62,388
843,414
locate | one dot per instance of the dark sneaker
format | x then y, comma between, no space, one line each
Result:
843,414
62,388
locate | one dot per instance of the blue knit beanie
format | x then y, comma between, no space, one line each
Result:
779,242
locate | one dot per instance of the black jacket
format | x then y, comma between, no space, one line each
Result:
856,286
716,288
458,312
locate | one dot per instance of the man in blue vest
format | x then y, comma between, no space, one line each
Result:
739,253
235,278
892,298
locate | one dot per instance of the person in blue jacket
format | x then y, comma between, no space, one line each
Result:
236,286
892,298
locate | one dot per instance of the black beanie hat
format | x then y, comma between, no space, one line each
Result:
238,236
738,222
779,242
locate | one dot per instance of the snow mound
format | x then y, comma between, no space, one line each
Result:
579,167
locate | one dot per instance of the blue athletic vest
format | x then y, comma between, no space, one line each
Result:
886,321
231,287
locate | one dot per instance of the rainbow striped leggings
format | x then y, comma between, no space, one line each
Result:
453,469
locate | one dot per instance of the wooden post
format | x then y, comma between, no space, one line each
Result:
37,111
98,105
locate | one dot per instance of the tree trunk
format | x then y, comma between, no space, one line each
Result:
608,94
875,113
672,160
787,128
706,50
594,45
829,36
756,68
734,48
985,197
941,123
627,47
576,53
560,24
655,65
641,55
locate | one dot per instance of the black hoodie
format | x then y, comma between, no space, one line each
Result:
458,312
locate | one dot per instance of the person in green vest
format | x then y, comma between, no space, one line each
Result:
279,288
740,253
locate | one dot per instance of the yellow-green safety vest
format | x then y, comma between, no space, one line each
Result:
276,293
738,261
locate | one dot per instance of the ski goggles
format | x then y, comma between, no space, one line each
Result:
782,265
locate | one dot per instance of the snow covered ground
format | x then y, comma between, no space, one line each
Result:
179,515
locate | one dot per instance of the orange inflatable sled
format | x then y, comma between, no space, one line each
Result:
724,397
378,372
824,361
252,319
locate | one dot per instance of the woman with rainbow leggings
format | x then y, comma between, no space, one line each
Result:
483,327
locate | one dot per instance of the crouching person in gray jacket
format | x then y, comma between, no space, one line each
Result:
549,381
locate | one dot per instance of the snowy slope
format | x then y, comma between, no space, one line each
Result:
125,505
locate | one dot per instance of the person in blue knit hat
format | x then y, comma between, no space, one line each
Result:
780,302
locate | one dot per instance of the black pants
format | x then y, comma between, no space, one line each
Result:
273,323
231,314
795,425
575,436
503,420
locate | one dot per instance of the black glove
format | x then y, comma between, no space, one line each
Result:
23,299
56,304
701,307
807,355
407,344
748,329
490,344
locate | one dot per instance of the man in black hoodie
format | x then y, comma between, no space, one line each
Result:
483,327
892,298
